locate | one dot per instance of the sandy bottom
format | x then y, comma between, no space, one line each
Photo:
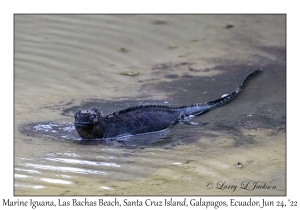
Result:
63,63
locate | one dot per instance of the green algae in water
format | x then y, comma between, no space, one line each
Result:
172,47
159,22
130,73
123,50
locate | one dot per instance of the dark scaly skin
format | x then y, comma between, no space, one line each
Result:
90,124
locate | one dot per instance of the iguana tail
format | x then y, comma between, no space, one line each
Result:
199,109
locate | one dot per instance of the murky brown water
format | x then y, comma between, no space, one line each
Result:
66,62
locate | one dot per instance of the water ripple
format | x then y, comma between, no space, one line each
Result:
84,162
64,169
56,181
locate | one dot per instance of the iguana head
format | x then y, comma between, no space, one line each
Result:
88,123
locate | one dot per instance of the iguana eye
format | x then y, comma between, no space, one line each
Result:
95,119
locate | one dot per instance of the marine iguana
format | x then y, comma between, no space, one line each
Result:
91,124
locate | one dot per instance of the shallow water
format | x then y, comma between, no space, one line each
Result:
63,63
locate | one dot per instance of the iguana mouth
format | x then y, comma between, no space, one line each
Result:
82,124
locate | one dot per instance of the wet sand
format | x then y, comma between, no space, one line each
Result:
66,62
